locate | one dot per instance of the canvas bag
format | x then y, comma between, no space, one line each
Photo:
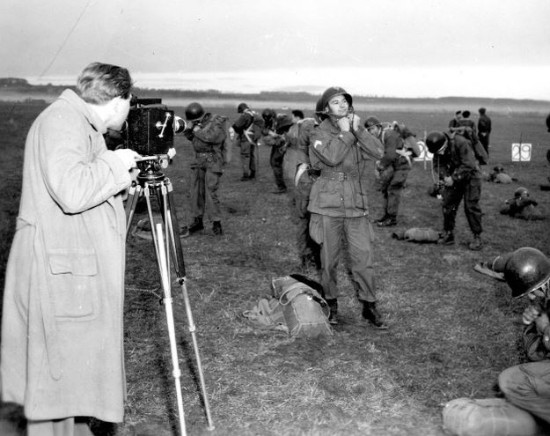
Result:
487,417
305,311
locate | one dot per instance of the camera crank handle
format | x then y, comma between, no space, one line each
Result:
162,126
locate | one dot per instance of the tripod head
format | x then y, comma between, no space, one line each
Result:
150,168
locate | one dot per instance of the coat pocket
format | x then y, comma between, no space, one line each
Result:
330,197
73,284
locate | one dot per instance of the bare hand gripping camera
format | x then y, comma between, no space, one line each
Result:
150,132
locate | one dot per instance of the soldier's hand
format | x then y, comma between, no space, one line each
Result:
448,181
530,314
356,121
542,322
344,124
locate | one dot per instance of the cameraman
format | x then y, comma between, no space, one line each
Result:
62,335
207,133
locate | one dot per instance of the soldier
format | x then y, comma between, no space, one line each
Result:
455,120
393,168
484,128
277,140
522,206
248,131
308,249
459,172
499,175
207,133
339,150
527,272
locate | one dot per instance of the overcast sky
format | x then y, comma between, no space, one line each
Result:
485,48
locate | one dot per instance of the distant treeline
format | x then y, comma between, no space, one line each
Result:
23,86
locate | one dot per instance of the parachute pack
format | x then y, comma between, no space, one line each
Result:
214,129
254,131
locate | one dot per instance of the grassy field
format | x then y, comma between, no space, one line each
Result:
452,330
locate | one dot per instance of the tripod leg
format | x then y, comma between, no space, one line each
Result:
165,278
172,221
192,330
131,202
180,270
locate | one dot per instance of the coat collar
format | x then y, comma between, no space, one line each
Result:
81,106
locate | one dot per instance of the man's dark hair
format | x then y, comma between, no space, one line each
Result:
298,113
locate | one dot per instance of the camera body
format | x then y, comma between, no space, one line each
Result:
150,127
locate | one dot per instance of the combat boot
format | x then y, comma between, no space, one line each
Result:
333,306
371,314
197,225
388,222
252,175
184,232
476,244
217,228
448,238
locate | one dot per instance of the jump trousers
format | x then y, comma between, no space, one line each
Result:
357,234
528,386
468,188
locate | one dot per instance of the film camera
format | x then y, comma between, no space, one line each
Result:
149,130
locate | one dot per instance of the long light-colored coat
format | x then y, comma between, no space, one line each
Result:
62,343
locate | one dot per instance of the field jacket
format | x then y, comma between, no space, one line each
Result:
459,160
341,159
62,336
209,142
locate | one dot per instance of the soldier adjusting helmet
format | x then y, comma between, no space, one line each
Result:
194,111
332,92
435,141
527,269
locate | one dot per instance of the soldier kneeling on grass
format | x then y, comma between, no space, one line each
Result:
522,206
525,386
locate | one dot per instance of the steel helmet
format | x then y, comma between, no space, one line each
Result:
526,270
434,141
372,121
194,111
242,107
333,91
268,114
521,191
498,169
283,123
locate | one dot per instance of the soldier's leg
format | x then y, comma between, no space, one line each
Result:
395,189
332,231
452,196
252,161
211,195
359,236
197,193
472,195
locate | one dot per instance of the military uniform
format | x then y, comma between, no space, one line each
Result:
394,169
209,142
459,162
339,205
484,129
247,141
308,249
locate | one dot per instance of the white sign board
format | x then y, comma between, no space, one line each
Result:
521,152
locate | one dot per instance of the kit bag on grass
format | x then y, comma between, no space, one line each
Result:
487,417
305,310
